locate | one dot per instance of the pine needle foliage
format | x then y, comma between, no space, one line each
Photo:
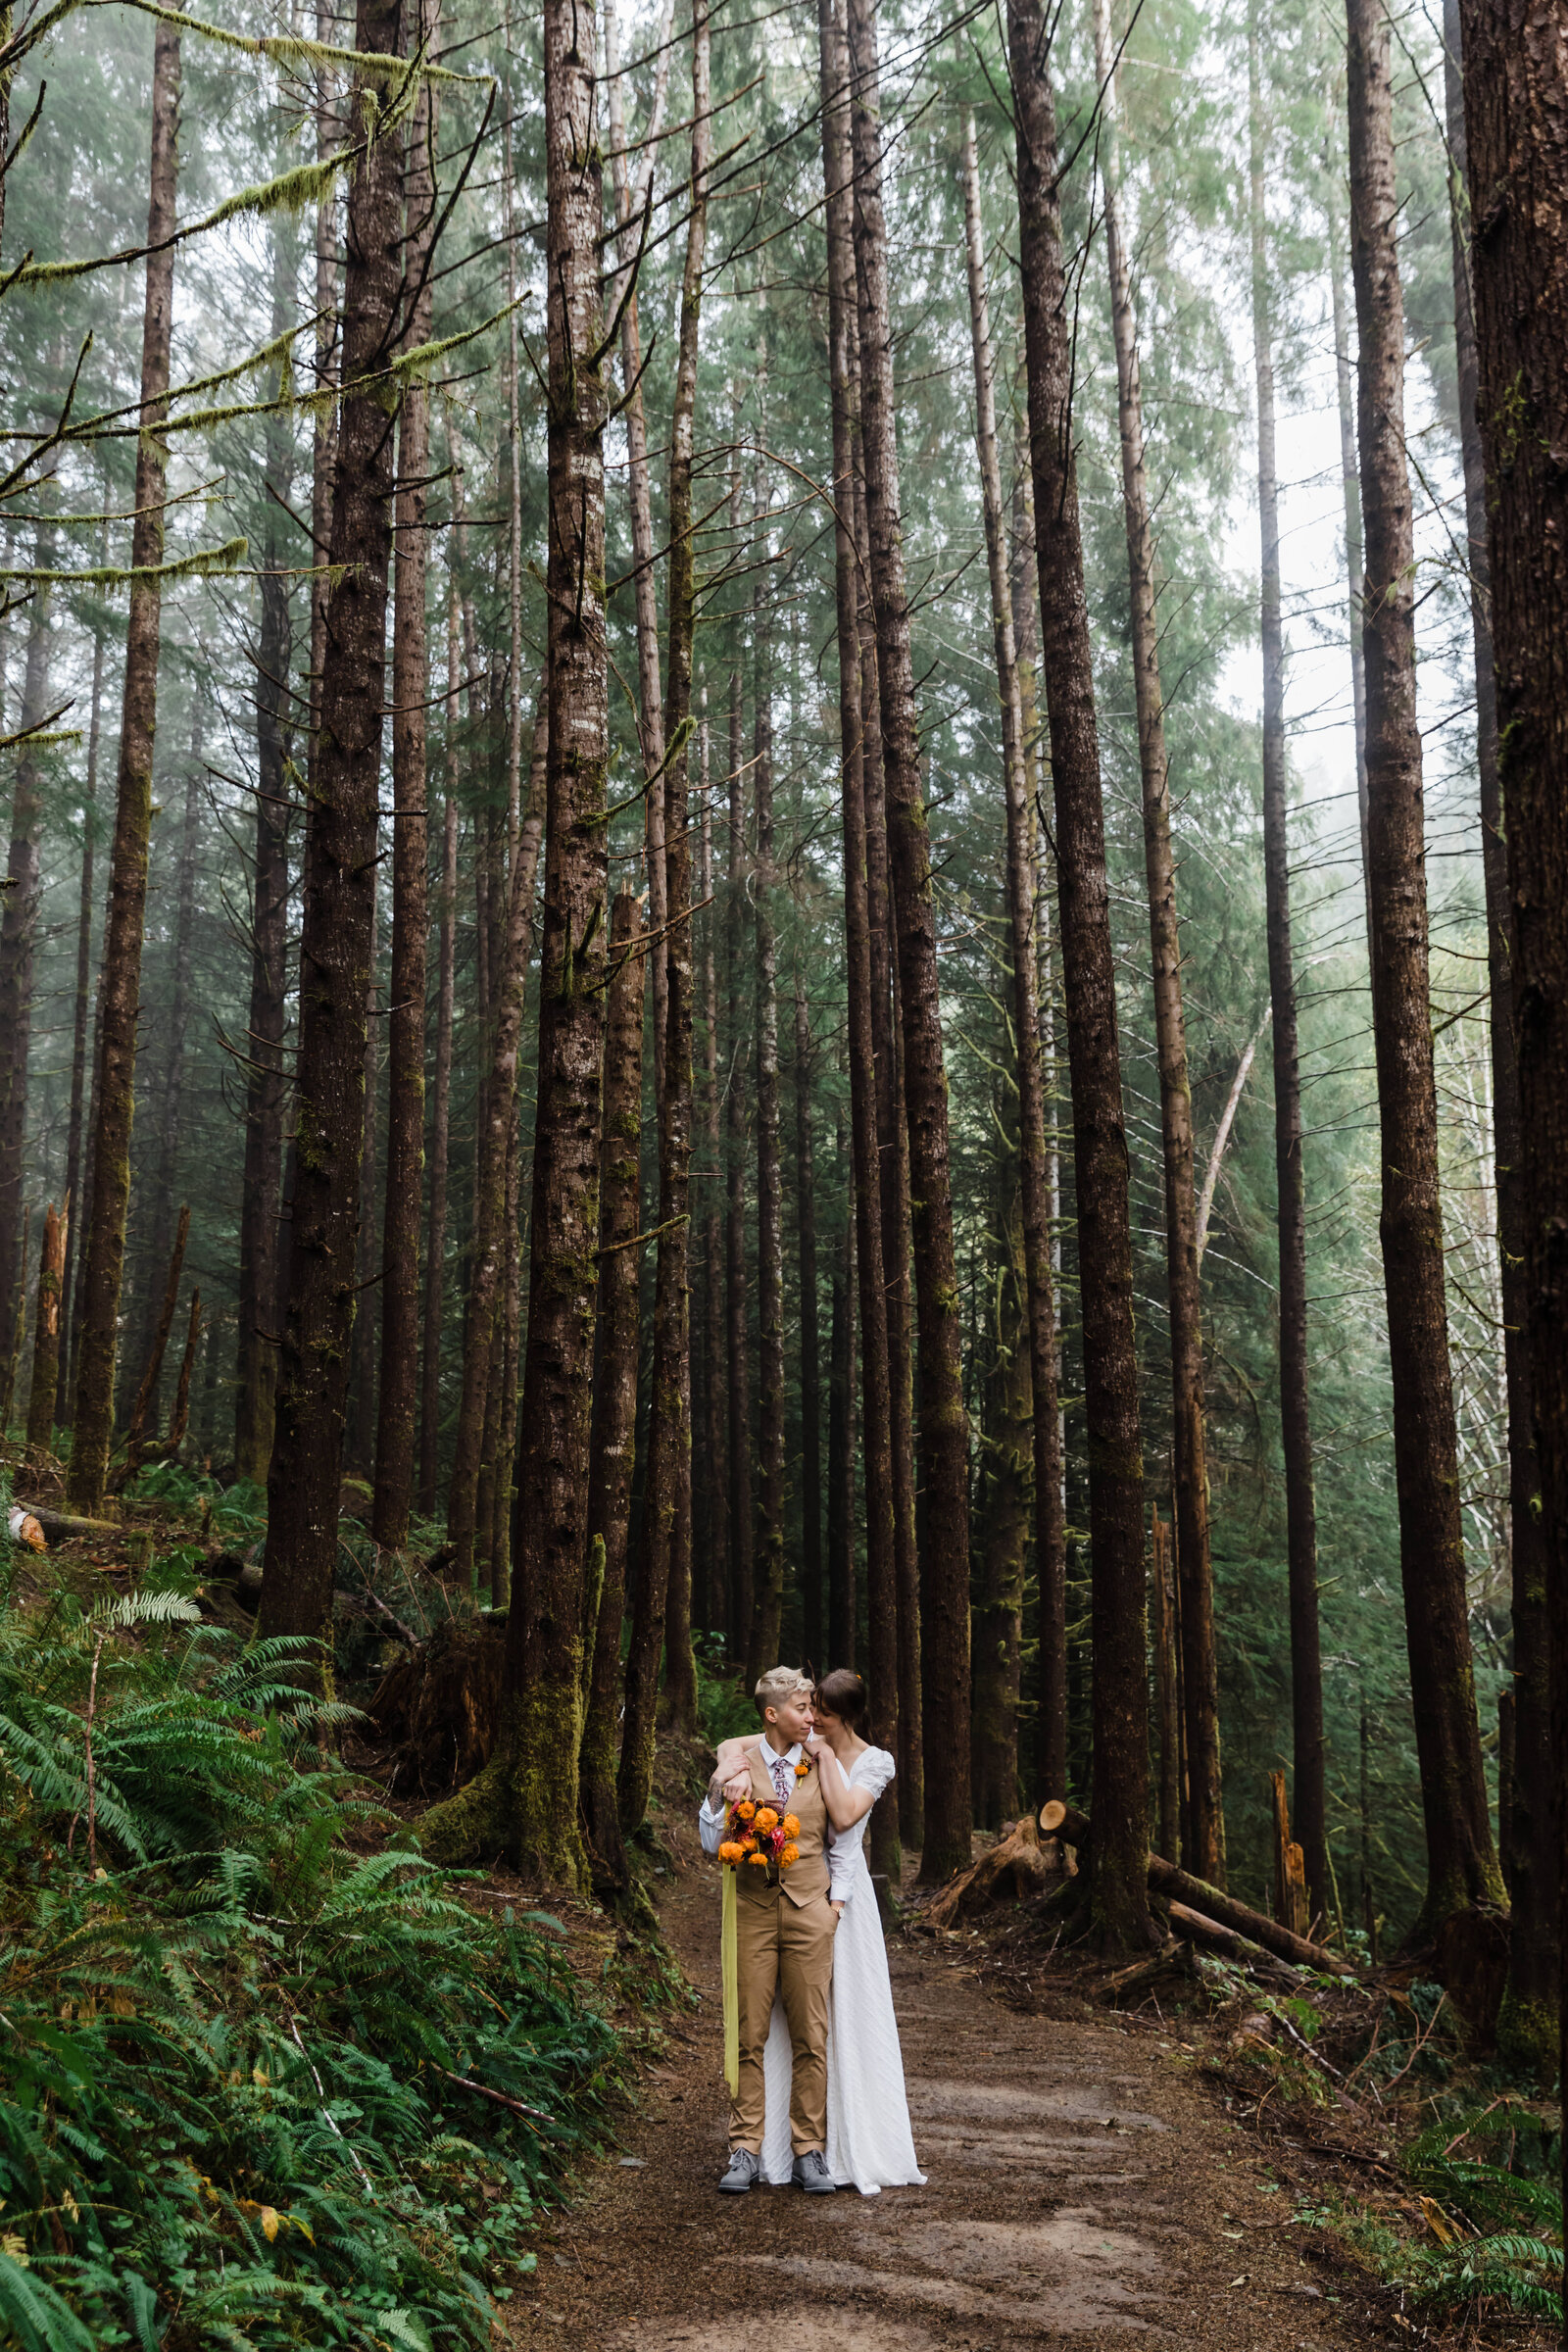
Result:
261,2086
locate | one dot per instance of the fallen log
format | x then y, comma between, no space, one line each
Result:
1226,1941
60,1527
1060,1820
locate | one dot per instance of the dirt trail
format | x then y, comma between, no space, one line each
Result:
1082,2192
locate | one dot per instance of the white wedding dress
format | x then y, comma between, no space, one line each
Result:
869,2143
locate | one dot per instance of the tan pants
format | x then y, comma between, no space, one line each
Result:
785,1948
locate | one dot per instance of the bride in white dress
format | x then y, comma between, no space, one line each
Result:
869,2143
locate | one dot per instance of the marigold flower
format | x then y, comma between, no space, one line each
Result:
800,1771
790,1826
768,1818
760,1859
744,1809
791,1853
730,1852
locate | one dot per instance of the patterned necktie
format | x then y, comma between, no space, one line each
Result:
783,1773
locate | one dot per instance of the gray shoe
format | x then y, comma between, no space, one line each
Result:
744,2171
811,2172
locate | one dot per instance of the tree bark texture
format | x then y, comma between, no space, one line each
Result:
715,1416
943,1427
104,1257
1205,1854
1009,1430
76,1139
612,1454
163,1173
1516,109
1527,1815
265,1088
811,1593
543,1670
337,927
738,1386
841,1644
767,1605
1117,1605
1040,1336
1461,1864
864,1234
410,892
19,925
435,1246
1295,1420
46,1335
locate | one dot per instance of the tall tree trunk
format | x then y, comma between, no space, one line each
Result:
611,1454
738,1385
1516,108
1034,1196
715,1423
1205,1854
767,1605
1118,1609
256,1366
1461,1864
1296,1422
629,203
811,1593
1526,1810
1354,559
18,924
337,927
492,1147
436,1248
865,1218
103,1262
75,1191
165,1177
410,892
1051,1564
662,1616
525,1801
943,1432
360,1441
893,1164
841,1597
46,1335
1007,1453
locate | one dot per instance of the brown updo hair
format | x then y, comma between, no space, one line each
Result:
843,1694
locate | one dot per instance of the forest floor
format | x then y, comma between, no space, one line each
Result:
1086,2188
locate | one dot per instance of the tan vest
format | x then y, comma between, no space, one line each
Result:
807,1878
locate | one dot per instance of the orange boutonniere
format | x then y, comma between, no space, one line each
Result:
802,1769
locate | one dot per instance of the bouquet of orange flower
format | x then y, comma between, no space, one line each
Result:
759,1836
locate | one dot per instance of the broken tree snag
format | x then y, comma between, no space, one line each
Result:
1289,1867
1016,1866
1060,1820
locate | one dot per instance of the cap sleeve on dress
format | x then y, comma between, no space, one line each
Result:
875,1770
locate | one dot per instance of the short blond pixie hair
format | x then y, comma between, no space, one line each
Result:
778,1683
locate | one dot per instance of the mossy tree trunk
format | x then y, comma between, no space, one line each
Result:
1516,116
411,895
46,1333
525,1801
1117,1610
737,1383
714,1485
19,927
943,1421
999,1795
1006,1479
855,752
435,1246
1461,1864
811,1593
612,1454
337,925
77,1149
103,1255
1525,1803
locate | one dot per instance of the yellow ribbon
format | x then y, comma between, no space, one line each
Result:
729,1961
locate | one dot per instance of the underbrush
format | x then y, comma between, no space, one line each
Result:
1459,2212
268,2079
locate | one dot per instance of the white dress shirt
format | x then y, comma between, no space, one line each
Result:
710,1823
